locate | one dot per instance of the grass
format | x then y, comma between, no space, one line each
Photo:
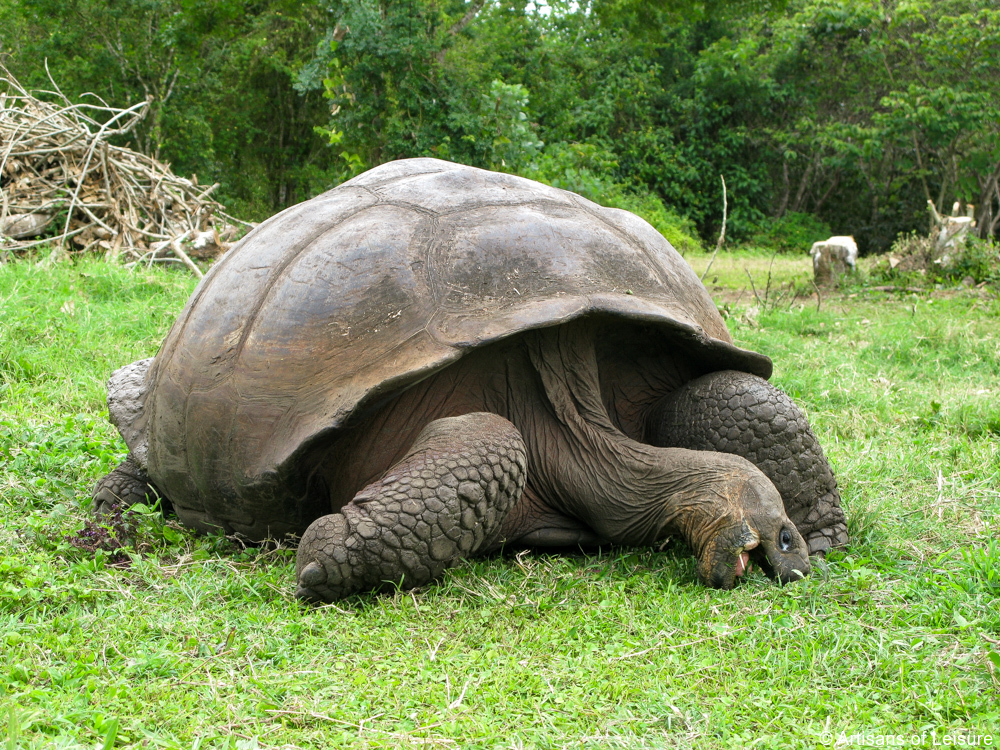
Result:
751,268
196,642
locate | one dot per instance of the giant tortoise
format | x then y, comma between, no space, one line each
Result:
432,361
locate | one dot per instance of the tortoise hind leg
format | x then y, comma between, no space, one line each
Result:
445,500
126,485
532,523
734,412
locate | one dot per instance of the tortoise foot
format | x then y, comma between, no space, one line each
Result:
828,527
823,540
445,500
127,485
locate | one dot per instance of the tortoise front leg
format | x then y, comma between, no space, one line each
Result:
735,412
445,500
126,485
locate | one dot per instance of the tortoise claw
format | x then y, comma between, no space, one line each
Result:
312,576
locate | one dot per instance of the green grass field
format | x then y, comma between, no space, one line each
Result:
198,643
735,276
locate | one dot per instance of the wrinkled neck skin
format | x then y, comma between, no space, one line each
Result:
627,491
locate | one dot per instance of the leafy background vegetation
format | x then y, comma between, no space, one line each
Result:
840,116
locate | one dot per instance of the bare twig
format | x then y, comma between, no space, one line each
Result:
470,14
175,245
767,288
819,296
139,110
722,234
754,288
465,20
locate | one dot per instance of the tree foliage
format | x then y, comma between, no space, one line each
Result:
847,114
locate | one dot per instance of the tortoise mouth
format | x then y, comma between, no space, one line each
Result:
743,564
759,557
732,565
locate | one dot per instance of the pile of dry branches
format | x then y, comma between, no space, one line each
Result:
63,183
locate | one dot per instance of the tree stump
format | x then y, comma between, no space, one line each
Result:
952,232
833,258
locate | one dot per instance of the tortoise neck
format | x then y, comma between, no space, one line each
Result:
629,492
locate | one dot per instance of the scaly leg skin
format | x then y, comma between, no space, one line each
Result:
734,412
445,500
126,485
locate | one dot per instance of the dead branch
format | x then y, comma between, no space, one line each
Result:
819,296
455,30
175,245
57,162
722,234
465,20
753,286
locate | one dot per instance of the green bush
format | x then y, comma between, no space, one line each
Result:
979,259
793,233
974,259
679,230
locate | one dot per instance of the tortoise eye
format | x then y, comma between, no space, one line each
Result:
785,540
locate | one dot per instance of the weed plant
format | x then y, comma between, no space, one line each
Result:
167,639
973,261
793,233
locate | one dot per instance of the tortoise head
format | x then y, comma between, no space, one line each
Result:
754,528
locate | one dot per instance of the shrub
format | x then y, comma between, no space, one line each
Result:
979,259
913,254
792,233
